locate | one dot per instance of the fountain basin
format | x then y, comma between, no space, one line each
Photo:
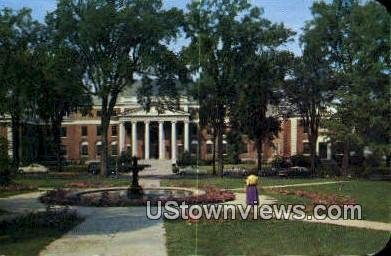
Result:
118,196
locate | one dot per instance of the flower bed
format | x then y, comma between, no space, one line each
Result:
107,199
317,198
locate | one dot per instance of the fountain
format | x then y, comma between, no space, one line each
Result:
135,190
133,195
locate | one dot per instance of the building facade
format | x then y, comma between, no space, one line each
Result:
164,135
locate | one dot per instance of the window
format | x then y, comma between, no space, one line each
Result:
224,147
305,128
98,148
114,130
323,150
114,149
98,130
63,132
209,147
194,147
84,149
84,131
306,148
180,149
63,150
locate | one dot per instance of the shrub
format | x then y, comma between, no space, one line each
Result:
300,160
373,160
186,159
59,219
4,162
75,168
280,162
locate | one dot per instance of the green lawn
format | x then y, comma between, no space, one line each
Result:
270,238
230,183
372,195
12,193
30,234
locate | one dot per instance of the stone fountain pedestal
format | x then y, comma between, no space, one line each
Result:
135,190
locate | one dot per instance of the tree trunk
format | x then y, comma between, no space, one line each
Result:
15,125
259,155
214,155
220,159
104,154
56,130
313,140
345,159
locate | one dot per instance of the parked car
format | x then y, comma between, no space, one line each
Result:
235,171
295,171
191,171
267,172
33,168
93,167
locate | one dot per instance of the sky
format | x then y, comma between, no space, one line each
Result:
293,13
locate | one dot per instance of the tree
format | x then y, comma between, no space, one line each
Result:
311,90
4,163
17,69
117,40
59,85
355,41
212,26
262,74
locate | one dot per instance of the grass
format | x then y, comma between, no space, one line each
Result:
232,183
30,234
12,193
270,238
371,195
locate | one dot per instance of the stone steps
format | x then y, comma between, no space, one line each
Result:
157,167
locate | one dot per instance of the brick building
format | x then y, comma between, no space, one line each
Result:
164,135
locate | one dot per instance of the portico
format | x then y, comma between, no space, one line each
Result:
149,120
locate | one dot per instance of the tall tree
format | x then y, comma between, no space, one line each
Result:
262,74
115,41
59,85
18,33
354,37
311,91
212,26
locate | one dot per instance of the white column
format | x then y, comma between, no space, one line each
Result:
121,137
161,140
134,138
9,139
146,140
328,151
293,136
173,142
186,140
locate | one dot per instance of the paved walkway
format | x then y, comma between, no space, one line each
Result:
295,185
114,231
